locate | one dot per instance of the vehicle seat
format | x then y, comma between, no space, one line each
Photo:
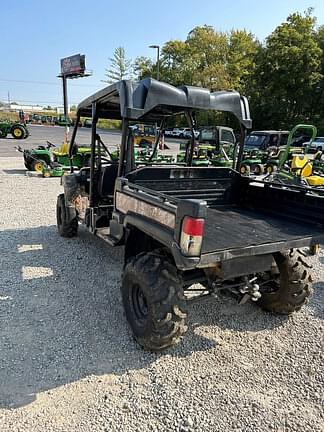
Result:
315,180
62,150
107,181
301,166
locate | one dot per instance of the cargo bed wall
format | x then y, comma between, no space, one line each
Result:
296,205
213,185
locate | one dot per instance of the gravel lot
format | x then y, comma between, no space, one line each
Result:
68,362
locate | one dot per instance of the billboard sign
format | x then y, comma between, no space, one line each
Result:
73,65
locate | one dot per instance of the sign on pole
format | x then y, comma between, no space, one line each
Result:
73,66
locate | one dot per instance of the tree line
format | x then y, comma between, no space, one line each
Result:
283,77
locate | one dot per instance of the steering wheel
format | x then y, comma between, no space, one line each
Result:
49,144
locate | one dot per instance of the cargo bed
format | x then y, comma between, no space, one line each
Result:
230,226
243,217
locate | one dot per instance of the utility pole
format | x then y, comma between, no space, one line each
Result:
9,103
66,108
157,47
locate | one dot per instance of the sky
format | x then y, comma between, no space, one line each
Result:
36,34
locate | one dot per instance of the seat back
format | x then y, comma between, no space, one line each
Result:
300,165
62,150
107,181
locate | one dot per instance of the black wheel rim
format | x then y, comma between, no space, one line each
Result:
139,303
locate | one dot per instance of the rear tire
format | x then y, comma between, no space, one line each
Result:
154,302
66,228
295,287
18,132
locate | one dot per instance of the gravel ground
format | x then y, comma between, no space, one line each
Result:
68,362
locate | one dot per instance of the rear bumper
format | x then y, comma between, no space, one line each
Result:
210,259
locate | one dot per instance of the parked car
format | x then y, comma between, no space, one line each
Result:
316,145
179,132
188,133
168,132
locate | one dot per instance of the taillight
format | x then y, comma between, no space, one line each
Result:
192,232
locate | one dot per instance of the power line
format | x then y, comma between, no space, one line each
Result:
40,101
46,83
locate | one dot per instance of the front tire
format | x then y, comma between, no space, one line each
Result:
293,288
3,133
154,301
245,169
38,165
65,226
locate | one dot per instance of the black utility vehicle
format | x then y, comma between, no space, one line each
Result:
187,229
262,140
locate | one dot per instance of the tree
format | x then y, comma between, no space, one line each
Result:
120,67
242,56
287,74
143,67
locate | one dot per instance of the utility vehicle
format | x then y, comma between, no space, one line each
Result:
262,140
187,229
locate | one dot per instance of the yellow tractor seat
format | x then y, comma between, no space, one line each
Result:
315,180
301,166
62,150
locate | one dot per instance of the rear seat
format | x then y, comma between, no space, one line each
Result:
107,181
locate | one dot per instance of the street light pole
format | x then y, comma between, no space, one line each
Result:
157,47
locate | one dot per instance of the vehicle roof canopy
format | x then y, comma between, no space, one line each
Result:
150,100
269,132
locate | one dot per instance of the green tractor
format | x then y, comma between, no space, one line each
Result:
61,120
257,148
200,158
16,129
53,163
215,146
253,162
274,159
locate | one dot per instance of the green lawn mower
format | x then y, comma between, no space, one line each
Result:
253,162
274,158
297,169
53,163
16,129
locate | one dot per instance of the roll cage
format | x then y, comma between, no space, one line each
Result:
152,101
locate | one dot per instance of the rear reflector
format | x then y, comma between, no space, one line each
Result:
193,226
192,236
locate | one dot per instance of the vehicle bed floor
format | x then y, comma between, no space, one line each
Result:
230,227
